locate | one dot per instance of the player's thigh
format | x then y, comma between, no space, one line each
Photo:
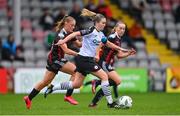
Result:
101,75
114,76
68,68
78,81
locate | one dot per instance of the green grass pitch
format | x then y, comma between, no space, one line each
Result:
143,103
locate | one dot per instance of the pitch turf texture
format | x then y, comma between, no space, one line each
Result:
143,103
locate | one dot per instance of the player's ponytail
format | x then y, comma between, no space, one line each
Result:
92,15
60,24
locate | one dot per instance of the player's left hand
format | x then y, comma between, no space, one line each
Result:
96,58
132,51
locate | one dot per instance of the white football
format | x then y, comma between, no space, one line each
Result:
125,102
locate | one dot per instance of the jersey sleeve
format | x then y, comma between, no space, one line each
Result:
86,31
111,38
104,40
61,35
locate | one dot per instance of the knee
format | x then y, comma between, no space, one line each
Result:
118,82
104,77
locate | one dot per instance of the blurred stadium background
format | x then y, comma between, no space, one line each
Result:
153,29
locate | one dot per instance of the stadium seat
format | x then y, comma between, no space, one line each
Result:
174,44
28,44
132,64
154,65
168,16
158,16
158,85
172,35
26,24
159,25
41,54
149,24
26,33
170,25
29,55
29,64
161,34
121,63
41,63
18,64
38,34
4,32
25,13
39,45
5,63
35,4
143,63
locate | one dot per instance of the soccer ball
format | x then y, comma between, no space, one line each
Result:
125,102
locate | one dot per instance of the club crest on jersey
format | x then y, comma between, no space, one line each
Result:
96,42
95,67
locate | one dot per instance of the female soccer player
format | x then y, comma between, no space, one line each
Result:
107,60
56,61
85,60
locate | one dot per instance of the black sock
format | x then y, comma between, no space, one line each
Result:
69,92
115,91
33,93
112,83
98,96
87,83
98,82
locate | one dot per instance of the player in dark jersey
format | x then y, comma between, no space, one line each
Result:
106,61
56,61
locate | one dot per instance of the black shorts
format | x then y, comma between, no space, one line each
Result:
86,65
56,65
106,67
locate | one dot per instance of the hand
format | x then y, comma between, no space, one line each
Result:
60,42
96,58
132,51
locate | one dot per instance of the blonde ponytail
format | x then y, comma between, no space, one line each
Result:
60,24
87,13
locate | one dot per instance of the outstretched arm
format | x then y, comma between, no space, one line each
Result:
69,37
122,54
113,46
67,50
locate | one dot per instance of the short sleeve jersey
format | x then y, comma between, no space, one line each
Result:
91,39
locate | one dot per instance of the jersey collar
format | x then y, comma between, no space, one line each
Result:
117,35
64,31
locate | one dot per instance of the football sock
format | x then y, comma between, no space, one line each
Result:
87,83
112,83
63,86
106,91
115,91
69,92
99,95
33,93
98,82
